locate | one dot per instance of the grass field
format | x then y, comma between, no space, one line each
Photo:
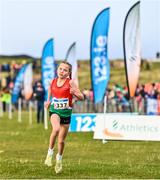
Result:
23,149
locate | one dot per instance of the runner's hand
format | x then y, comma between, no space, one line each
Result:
47,104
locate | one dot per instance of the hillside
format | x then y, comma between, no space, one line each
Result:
149,71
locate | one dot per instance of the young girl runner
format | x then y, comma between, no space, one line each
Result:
62,89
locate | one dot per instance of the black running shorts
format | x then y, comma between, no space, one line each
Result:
63,120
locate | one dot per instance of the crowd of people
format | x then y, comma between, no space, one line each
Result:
146,100
8,73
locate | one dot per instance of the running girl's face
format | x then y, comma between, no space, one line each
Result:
63,71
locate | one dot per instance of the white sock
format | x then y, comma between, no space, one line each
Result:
50,151
59,157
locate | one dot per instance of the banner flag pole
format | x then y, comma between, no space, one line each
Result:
45,119
1,109
19,110
104,113
30,113
10,110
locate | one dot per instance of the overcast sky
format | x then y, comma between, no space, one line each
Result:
25,26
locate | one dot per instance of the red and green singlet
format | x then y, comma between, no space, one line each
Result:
61,102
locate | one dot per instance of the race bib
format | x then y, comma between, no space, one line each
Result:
60,103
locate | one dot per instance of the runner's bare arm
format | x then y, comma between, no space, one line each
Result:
75,90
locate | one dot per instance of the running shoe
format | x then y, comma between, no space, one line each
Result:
58,166
48,160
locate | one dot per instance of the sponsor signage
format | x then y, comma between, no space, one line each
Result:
83,122
127,127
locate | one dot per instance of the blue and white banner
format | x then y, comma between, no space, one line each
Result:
87,122
71,58
18,84
48,67
82,122
100,68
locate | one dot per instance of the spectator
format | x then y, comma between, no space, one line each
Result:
39,94
6,98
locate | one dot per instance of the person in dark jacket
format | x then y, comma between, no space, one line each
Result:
39,95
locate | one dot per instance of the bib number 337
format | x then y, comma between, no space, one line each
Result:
60,103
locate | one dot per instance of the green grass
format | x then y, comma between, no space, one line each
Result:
23,150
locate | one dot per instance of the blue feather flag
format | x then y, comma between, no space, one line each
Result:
100,68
